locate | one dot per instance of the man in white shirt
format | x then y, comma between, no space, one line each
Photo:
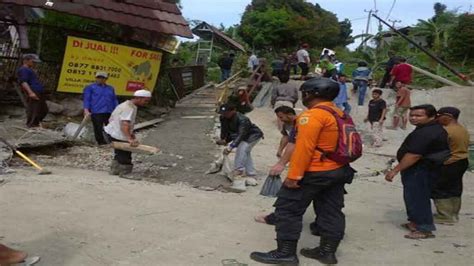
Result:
120,128
252,62
303,60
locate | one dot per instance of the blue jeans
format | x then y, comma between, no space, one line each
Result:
243,158
417,184
362,89
345,106
225,74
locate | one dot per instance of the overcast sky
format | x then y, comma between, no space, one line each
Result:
229,12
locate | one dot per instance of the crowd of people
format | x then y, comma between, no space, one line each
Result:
431,160
318,145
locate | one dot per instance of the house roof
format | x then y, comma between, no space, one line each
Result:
151,15
205,31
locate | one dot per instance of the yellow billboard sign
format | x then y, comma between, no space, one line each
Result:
129,68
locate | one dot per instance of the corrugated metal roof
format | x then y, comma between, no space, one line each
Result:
204,28
151,15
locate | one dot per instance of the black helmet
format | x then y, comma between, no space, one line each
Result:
321,88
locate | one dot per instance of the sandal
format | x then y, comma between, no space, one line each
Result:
409,226
419,235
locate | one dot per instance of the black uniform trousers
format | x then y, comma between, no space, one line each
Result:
449,183
36,110
98,122
326,189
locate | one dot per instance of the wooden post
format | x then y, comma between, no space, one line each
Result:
435,77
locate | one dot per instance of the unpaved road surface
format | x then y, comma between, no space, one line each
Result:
84,217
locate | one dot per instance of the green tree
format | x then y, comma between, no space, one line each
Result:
284,24
439,9
437,30
345,35
461,44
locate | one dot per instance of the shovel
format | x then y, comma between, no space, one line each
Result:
42,171
81,126
271,186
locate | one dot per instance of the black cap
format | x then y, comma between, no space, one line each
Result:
450,111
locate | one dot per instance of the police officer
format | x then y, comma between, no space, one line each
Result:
312,178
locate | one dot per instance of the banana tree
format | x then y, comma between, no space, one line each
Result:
438,30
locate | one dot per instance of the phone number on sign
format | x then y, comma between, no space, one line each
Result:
82,66
90,73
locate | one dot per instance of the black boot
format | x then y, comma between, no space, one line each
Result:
325,253
313,227
285,254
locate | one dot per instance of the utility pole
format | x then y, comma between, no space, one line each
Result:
368,24
394,22
428,52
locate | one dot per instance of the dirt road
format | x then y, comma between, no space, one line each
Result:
84,217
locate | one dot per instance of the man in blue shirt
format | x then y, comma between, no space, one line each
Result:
342,100
361,77
36,109
99,102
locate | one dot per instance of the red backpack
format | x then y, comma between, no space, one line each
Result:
349,143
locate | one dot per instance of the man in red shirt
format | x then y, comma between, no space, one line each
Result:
402,105
401,72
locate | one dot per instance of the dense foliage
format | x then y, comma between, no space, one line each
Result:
284,24
461,44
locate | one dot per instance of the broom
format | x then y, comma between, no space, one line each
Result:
271,186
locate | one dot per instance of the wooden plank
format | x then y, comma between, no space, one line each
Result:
229,80
191,95
197,117
139,149
147,123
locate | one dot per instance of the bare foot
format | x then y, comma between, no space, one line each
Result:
260,218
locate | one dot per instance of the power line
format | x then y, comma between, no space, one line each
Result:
391,8
391,16
361,18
